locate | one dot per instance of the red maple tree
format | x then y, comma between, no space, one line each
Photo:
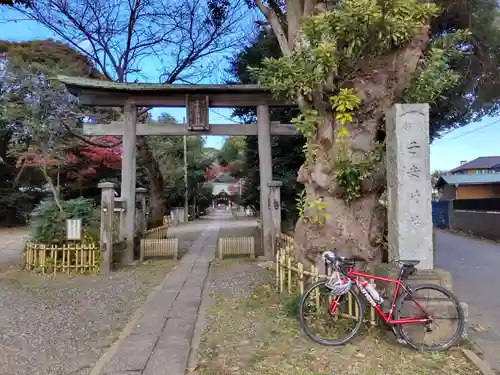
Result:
84,162
215,171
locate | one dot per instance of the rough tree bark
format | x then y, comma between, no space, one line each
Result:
354,228
156,184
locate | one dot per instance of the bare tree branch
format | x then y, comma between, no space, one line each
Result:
87,141
278,28
118,35
178,36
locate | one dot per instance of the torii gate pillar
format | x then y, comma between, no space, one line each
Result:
266,175
129,179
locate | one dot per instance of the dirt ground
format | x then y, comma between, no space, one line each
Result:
248,332
61,325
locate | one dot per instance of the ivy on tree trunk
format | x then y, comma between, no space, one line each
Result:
345,67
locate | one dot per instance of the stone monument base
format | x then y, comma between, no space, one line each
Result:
435,276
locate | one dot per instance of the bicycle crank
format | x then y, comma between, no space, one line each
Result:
399,339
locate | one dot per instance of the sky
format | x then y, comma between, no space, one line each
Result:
466,143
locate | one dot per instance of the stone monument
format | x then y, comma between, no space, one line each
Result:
409,190
409,194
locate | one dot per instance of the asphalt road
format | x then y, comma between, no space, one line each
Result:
475,268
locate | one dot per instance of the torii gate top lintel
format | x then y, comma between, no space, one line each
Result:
94,92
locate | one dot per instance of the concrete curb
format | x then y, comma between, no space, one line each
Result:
480,364
106,356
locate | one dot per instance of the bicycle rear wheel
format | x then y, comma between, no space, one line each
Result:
330,315
447,317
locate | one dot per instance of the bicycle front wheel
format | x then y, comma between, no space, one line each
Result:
447,319
330,320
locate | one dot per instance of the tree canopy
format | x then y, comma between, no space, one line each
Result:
16,2
345,64
41,154
182,38
231,151
36,149
286,150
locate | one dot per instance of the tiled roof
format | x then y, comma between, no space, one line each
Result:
224,178
483,162
468,179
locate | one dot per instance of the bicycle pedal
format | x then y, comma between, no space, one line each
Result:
401,341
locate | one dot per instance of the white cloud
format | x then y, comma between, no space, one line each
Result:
84,45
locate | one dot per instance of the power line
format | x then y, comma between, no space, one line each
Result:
225,117
469,132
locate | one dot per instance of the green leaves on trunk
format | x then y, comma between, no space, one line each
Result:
333,44
435,75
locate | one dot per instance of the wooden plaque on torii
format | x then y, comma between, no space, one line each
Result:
197,113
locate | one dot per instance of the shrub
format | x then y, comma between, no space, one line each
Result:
48,223
291,304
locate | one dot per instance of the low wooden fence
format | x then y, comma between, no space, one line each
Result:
285,241
159,247
68,258
157,233
239,214
292,277
227,246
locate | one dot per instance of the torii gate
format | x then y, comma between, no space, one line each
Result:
197,99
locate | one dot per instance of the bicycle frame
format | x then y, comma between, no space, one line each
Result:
387,318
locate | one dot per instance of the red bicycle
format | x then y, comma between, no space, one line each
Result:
405,313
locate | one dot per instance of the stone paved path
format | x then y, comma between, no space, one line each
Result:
159,342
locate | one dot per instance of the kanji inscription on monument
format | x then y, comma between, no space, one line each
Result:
414,171
408,184
413,148
197,113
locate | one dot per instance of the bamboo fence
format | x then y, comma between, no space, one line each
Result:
159,247
236,246
157,233
68,258
292,278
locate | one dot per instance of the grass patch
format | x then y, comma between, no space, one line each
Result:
260,334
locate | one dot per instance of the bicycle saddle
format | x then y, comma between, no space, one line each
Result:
408,262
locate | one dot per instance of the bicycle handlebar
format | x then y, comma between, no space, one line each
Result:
331,257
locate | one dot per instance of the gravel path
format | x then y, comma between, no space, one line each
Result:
11,246
61,326
238,279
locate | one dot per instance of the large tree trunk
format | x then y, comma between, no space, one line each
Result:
355,228
156,184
